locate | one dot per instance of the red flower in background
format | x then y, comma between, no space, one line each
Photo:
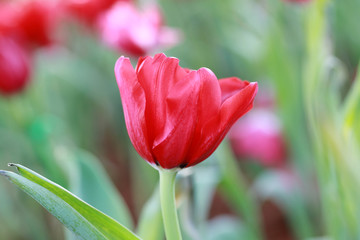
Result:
136,33
177,117
14,67
88,10
23,25
37,20
7,18
258,136
31,22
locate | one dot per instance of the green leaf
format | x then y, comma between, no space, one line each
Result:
90,182
78,216
351,109
234,187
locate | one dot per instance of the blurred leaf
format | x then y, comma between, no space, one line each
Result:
283,187
336,157
196,190
225,227
143,177
89,181
345,30
235,189
283,62
352,109
205,180
81,218
150,226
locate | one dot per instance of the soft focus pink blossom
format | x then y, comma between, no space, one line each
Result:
14,66
133,32
258,136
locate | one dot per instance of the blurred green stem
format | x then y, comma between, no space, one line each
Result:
168,206
234,186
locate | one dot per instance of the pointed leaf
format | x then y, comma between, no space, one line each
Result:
81,218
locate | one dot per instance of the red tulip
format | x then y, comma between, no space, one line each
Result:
14,67
136,33
177,117
259,136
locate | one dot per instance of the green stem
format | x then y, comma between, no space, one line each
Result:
168,206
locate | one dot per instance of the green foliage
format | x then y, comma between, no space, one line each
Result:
150,225
81,218
333,130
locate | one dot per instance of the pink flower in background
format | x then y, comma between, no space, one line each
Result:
133,32
14,67
258,136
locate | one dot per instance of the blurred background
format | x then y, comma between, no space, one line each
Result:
287,170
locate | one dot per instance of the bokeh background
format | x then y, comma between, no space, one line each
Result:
289,169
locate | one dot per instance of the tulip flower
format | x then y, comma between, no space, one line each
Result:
14,67
258,136
125,28
177,117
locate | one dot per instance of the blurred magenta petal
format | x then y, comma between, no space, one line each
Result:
14,67
258,136
176,117
127,29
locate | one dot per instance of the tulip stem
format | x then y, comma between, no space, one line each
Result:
168,206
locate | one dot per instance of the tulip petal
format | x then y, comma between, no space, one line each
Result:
209,102
172,145
237,99
157,76
208,107
230,86
133,101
